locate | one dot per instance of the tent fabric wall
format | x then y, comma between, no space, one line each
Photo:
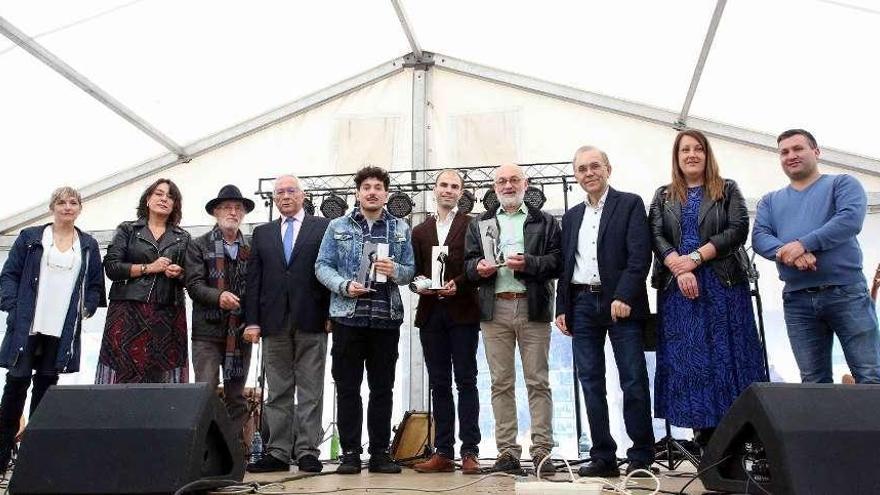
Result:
467,120
306,144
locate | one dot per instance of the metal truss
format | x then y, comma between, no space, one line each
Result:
414,183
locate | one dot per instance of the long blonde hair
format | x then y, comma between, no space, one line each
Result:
713,184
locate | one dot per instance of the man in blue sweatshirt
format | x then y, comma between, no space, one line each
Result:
809,228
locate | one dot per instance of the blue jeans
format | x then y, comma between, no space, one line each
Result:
813,317
588,347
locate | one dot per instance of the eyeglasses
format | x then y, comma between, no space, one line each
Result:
289,190
592,167
513,181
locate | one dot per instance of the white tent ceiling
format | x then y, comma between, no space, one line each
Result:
190,69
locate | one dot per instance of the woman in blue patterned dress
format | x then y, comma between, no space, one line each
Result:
707,349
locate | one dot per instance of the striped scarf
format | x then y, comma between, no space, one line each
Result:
235,282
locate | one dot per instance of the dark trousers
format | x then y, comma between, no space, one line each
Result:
588,346
38,356
356,348
449,347
208,358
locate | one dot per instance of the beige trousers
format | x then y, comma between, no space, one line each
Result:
510,326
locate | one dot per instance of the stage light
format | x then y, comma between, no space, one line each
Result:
399,204
490,200
535,197
333,206
466,202
309,206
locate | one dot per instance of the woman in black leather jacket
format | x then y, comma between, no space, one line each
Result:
145,336
707,348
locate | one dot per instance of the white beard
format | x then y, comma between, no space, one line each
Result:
510,202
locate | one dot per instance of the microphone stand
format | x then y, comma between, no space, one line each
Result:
755,292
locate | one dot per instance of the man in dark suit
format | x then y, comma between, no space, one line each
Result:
449,324
606,249
289,308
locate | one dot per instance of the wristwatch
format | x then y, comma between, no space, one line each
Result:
143,269
696,257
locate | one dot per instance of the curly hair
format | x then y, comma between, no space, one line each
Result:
372,172
173,192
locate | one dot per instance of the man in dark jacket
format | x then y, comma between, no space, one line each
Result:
606,250
516,306
216,264
449,328
288,307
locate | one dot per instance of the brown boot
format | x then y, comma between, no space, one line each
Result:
470,464
436,464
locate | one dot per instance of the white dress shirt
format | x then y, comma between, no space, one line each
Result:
297,223
586,265
444,226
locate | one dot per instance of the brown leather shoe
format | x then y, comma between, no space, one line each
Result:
436,464
470,464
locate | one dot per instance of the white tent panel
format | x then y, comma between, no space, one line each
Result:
550,129
51,16
308,144
636,50
194,68
53,134
793,63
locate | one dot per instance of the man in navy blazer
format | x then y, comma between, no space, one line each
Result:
289,308
606,251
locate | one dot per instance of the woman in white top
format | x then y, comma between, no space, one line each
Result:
50,282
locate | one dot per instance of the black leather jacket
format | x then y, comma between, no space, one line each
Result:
133,244
724,223
543,252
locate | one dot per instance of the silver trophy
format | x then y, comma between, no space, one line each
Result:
439,258
493,248
366,274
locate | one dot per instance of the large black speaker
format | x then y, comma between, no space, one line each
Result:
798,439
144,438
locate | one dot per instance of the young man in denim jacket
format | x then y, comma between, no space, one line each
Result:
366,317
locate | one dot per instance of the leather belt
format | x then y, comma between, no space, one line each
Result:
818,288
510,295
592,289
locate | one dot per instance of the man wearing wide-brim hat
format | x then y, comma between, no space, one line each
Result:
216,277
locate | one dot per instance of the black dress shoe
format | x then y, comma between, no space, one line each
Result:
382,463
310,464
349,463
599,469
268,464
634,465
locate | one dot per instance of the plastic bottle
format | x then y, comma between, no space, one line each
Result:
583,446
334,445
256,447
